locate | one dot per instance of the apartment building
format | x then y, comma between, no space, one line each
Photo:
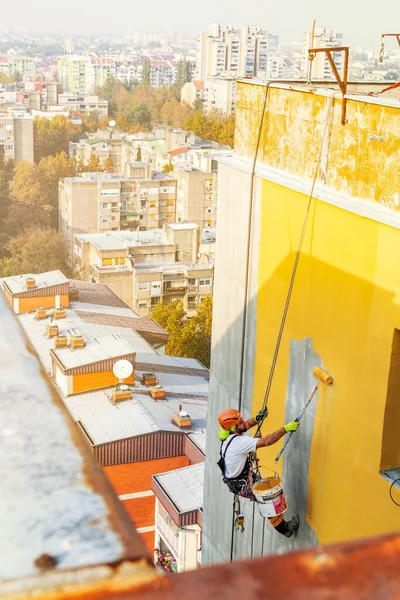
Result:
132,434
101,202
196,199
189,284
102,68
231,52
324,37
75,74
22,65
220,94
132,264
83,103
16,135
192,93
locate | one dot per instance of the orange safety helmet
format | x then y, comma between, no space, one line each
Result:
229,418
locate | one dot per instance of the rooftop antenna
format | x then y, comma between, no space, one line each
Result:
122,369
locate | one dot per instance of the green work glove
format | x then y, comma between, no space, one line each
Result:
293,426
261,415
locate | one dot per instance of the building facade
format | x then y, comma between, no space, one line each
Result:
344,313
324,37
196,200
101,202
16,136
143,268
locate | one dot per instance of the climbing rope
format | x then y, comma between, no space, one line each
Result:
293,275
291,284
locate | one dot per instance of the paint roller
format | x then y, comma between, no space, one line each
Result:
325,378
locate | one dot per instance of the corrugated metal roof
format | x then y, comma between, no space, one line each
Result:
97,293
17,283
184,487
199,439
102,341
105,422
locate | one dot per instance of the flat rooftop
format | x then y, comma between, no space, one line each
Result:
172,268
116,240
184,487
17,284
185,383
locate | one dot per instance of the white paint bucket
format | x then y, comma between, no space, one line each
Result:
270,497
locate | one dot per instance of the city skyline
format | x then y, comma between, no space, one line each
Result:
342,16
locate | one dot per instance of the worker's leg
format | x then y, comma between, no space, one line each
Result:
286,528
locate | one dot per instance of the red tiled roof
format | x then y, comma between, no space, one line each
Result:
178,151
199,85
3,59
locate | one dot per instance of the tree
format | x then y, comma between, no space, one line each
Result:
108,165
146,73
6,175
35,250
139,154
92,166
38,184
51,137
190,338
168,167
391,76
183,72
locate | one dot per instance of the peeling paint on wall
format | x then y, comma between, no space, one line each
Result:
292,132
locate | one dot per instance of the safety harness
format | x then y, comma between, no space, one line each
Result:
242,484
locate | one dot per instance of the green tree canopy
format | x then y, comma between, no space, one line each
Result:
190,338
35,250
146,72
51,137
37,185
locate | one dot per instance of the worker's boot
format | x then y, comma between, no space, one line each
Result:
292,525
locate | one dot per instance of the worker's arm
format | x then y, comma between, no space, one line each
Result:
254,420
275,436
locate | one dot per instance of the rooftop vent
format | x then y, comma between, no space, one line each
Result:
149,379
51,331
157,392
73,293
121,393
182,418
41,313
59,313
30,283
76,340
61,341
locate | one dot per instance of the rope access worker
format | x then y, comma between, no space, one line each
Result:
237,465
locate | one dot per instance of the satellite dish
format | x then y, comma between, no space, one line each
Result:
122,369
112,123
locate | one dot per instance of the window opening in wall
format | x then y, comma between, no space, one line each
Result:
390,451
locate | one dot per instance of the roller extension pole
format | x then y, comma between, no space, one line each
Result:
303,410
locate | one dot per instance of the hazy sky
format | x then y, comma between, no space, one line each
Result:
361,21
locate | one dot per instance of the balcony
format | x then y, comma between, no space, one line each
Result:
155,292
174,289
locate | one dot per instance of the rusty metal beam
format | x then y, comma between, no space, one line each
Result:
342,83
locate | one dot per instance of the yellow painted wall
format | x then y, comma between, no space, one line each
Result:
94,381
363,155
346,299
31,304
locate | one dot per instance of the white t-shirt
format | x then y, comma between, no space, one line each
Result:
235,457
